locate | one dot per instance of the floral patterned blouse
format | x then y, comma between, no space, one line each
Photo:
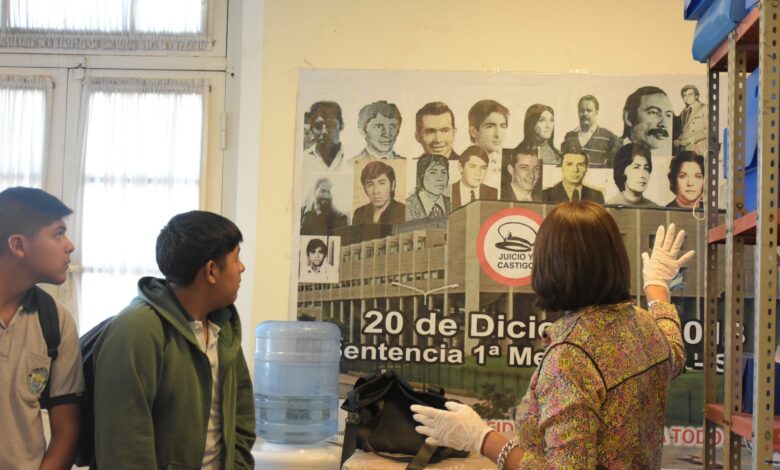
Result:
598,398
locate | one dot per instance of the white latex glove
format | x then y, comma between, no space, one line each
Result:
662,265
460,428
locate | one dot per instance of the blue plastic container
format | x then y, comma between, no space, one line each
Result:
751,143
747,386
693,9
296,381
715,25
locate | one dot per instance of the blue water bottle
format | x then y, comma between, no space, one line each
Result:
296,381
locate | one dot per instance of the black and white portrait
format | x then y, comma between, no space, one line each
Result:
539,133
632,170
574,166
599,143
488,124
431,195
693,123
435,129
319,259
325,124
379,123
472,166
377,182
319,214
524,177
648,119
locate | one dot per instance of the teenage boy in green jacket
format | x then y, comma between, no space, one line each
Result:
172,388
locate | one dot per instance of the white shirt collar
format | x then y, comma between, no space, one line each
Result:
428,201
465,193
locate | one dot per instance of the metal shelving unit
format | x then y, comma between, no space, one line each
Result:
756,41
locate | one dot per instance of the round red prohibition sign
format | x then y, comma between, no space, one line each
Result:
505,245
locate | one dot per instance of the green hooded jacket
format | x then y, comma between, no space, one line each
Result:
153,387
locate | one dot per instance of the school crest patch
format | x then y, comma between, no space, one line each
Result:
37,379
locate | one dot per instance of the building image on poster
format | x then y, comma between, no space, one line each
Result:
430,217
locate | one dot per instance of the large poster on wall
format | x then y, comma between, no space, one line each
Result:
418,196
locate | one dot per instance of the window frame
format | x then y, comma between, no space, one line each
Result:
54,147
219,174
216,31
211,161
62,162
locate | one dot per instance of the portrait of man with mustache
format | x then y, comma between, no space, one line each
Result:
647,118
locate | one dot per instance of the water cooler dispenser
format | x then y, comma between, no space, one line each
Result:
296,395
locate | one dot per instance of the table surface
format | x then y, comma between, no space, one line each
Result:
366,461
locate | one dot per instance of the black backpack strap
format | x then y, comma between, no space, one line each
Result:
350,436
36,299
418,462
352,424
87,342
423,457
50,325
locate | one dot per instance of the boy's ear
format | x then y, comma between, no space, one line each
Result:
16,245
211,271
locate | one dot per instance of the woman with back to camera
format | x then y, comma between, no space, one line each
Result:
538,133
598,398
686,179
631,172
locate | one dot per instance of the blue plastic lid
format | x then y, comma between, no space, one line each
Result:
693,9
296,329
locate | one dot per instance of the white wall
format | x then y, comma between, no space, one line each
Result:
600,36
242,105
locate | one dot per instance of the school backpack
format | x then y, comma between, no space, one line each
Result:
87,342
37,298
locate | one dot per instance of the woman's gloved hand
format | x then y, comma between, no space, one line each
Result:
660,267
459,427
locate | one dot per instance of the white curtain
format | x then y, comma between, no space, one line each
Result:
24,125
105,24
142,151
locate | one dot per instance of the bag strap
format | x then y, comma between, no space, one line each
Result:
350,436
422,458
418,462
50,326
37,299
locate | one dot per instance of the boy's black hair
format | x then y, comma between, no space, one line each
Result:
25,211
190,240
315,243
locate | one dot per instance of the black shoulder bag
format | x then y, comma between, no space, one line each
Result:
379,420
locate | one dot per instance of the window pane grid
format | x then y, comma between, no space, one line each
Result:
24,104
142,152
101,24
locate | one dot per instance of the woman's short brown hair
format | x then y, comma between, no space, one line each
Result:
579,259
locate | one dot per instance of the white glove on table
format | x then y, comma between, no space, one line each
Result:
459,427
660,267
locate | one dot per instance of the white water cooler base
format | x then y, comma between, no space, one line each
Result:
322,456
